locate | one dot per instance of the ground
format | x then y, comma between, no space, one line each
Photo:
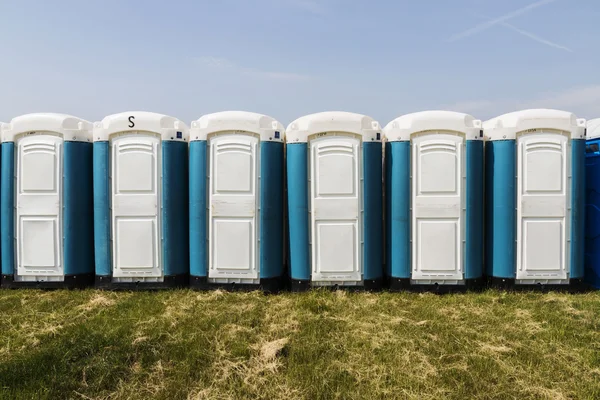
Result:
317,345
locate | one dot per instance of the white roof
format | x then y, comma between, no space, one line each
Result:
506,127
169,128
403,127
333,121
71,128
593,128
260,124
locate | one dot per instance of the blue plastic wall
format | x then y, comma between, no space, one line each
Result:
488,175
198,210
0,214
174,216
271,209
474,222
7,208
102,234
500,203
592,213
78,209
297,175
175,208
398,194
78,242
397,200
577,208
373,211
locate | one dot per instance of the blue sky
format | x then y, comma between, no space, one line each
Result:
288,58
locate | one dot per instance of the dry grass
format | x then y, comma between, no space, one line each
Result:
317,345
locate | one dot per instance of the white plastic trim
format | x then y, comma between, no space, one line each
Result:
71,128
135,279
450,282
402,128
237,121
542,281
506,127
301,129
140,122
239,281
593,128
338,283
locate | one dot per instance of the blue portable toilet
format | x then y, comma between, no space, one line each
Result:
141,201
236,201
434,201
46,203
334,172
592,204
1,125
535,198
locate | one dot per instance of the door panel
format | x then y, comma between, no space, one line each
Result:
233,202
335,163
438,206
135,206
543,175
39,206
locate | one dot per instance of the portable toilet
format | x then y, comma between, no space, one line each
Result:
434,201
141,201
46,202
592,206
334,172
534,198
236,201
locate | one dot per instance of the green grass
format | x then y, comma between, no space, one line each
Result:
317,345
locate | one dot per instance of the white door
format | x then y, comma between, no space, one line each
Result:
335,174
233,200
438,206
542,230
136,188
39,205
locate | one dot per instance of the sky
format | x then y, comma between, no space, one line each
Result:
289,58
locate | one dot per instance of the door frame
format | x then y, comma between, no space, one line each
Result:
422,278
60,216
220,279
360,242
111,138
521,275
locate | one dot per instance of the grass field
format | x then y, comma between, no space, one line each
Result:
317,345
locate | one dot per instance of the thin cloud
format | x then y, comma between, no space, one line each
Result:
581,100
536,38
470,107
227,65
282,76
486,25
214,62
529,35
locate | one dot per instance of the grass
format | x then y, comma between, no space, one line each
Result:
317,345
